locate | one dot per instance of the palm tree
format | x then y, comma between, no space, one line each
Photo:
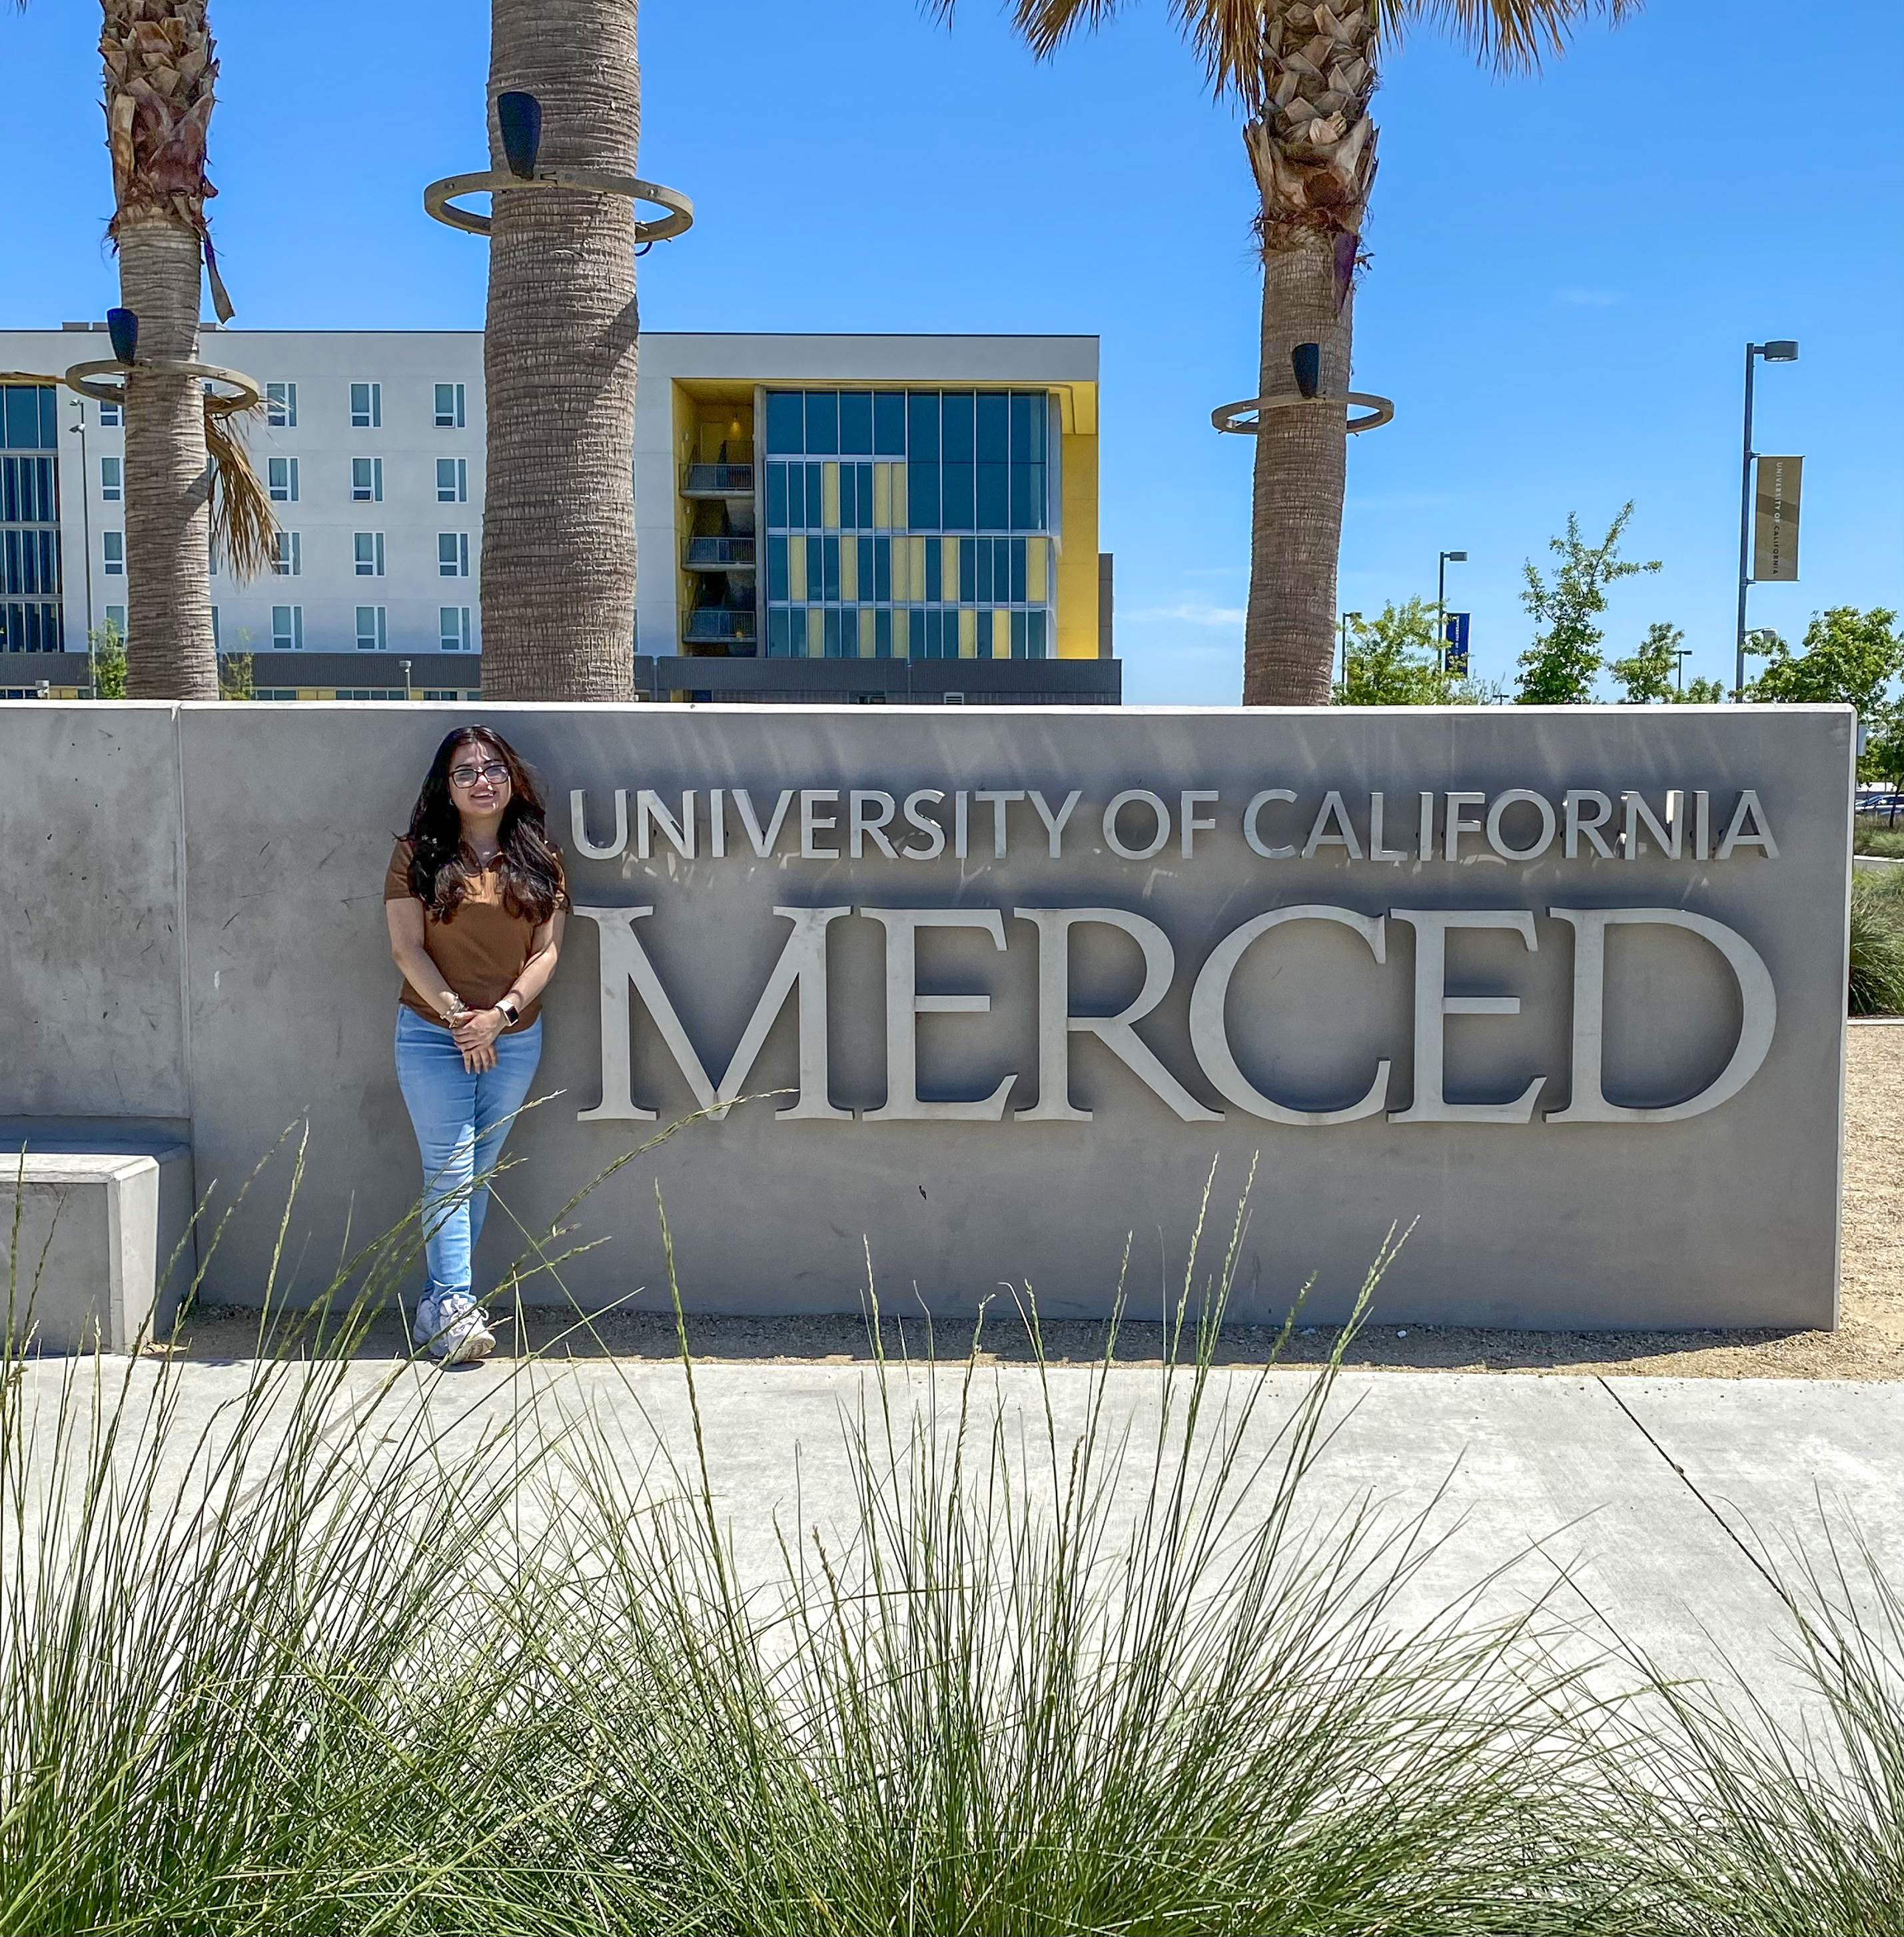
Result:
159,73
558,360
1302,74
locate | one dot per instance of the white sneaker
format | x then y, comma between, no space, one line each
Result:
453,1329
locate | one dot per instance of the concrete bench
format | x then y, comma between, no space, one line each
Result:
85,1264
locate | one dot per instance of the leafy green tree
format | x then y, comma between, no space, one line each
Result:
1395,659
1848,658
1559,668
108,644
234,678
1647,676
1703,693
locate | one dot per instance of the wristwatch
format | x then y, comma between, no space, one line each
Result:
507,1009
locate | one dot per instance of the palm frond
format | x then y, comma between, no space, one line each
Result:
243,525
1509,34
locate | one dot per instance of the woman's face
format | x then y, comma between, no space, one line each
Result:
479,780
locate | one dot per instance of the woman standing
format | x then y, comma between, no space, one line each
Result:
474,897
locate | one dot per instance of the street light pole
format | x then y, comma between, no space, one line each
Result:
1441,564
1680,657
86,538
1783,351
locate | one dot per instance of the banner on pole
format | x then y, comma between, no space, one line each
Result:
1774,531
1454,643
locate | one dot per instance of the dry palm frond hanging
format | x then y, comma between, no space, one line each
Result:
244,530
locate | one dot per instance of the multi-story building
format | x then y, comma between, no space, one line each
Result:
817,518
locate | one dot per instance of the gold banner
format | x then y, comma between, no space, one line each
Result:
1774,528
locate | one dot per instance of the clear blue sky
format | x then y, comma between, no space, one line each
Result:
1565,269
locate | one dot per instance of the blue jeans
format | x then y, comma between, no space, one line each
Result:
461,1121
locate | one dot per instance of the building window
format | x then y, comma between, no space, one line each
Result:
369,629
450,406
112,548
368,548
453,554
905,522
112,479
452,480
109,418
453,628
281,479
366,406
367,481
116,619
287,553
281,406
287,628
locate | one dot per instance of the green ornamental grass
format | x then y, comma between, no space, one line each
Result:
369,1649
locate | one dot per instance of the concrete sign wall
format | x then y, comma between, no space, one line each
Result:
1562,990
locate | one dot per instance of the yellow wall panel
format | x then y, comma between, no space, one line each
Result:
900,505
830,496
867,640
1037,552
883,497
849,567
1001,636
796,569
968,634
1077,556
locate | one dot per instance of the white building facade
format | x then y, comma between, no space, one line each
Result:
372,449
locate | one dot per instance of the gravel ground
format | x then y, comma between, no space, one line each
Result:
1868,1343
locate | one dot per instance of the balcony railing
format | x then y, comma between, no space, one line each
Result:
717,625
719,554
719,481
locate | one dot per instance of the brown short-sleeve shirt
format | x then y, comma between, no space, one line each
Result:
481,948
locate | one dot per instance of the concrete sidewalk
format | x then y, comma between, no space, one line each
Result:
1668,1502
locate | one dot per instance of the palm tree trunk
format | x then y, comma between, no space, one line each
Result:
1301,465
169,650
559,366
160,76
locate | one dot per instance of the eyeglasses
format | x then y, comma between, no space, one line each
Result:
492,770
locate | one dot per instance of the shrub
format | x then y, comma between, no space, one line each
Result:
1877,944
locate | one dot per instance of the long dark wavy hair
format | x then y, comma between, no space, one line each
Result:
442,870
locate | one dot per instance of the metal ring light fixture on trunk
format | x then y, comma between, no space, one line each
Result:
1230,417
519,118
1305,366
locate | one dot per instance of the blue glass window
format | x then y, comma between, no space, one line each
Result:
994,411
923,502
785,435
957,492
881,570
922,422
883,633
849,497
829,585
776,496
1017,593
889,424
855,423
776,568
968,571
822,423
992,511
934,547
915,634
31,420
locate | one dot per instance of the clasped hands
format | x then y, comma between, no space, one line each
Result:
474,1032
